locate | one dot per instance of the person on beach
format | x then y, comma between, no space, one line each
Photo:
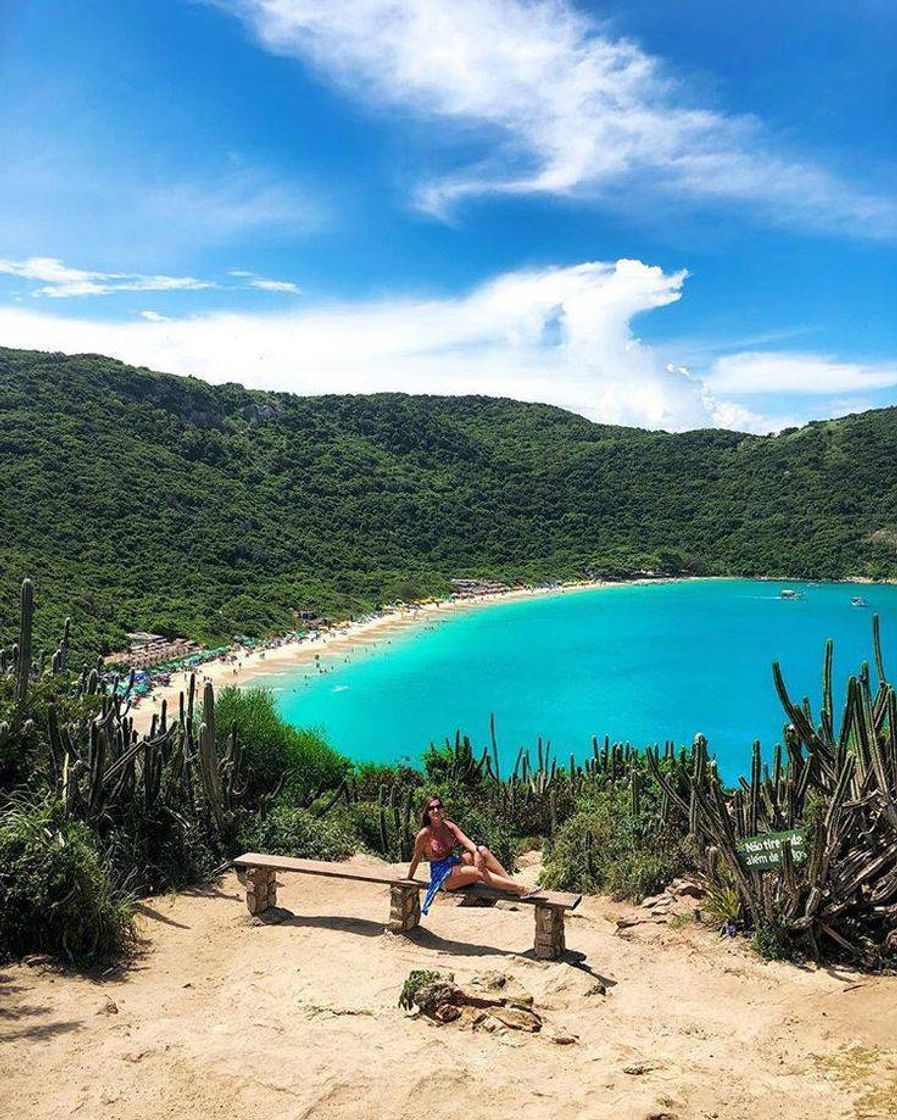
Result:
436,843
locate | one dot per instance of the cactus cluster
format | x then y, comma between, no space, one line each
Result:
103,772
838,786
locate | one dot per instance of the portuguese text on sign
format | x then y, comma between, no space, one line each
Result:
764,853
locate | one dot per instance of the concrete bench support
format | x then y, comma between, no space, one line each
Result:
404,909
550,942
261,889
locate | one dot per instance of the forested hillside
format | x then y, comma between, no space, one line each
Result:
141,500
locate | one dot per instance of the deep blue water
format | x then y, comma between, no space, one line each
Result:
638,663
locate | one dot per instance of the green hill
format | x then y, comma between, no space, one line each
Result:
139,500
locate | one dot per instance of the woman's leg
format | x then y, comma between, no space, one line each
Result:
464,875
492,863
489,859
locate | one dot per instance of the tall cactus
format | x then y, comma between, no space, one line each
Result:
840,787
23,647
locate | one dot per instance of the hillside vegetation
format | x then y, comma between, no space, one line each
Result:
142,500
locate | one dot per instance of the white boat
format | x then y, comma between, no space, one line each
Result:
858,601
790,593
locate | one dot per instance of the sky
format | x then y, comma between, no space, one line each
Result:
665,215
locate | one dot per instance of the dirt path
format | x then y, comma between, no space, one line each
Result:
222,1017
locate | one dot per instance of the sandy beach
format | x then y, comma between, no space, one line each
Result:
342,638
228,1017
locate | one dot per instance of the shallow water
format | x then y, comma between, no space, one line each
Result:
639,663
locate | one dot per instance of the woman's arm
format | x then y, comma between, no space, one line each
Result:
463,840
419,853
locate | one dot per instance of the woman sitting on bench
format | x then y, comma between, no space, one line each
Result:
436,842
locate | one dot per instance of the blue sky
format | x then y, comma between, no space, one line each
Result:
670,215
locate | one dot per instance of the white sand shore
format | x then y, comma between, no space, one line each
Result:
342,638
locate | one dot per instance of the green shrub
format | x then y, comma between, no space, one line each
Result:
273,748
723,902
775,943
368,777
288,830
630,855
456,762
55,895
161,849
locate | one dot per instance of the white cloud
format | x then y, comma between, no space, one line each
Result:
782,371
62,282
253,280
557,335
560,335
563,107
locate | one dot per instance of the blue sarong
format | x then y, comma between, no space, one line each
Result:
440,869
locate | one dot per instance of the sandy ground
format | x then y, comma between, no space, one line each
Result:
223,1017
341,640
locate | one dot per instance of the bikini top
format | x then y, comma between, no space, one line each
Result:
439,848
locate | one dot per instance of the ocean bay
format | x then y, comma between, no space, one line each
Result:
640,663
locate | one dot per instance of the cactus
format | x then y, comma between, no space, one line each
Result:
842,788
23,646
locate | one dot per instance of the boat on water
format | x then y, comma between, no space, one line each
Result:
790,593
858,601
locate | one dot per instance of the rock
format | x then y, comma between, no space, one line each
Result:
654,900
432,997
495,989
637,1069
685,888
447,1013
564,1039
517,1018
597,989
110,1007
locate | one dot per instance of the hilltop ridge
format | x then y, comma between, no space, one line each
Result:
144,500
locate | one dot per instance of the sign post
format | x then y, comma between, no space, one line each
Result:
764,852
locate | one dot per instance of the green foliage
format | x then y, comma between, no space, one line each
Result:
275,751
265,503
367,778
419,978
55,894
456,763
776,943
606,847
289,830
722,904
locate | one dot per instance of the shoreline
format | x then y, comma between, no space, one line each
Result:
345,637
353,635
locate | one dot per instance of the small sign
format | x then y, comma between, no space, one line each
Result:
764,853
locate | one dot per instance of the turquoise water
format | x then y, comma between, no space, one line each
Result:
638,663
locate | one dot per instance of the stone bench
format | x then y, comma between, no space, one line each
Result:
404,912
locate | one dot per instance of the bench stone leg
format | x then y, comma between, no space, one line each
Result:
261,890
404,909
550,942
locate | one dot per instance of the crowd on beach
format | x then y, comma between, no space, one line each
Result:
149,677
